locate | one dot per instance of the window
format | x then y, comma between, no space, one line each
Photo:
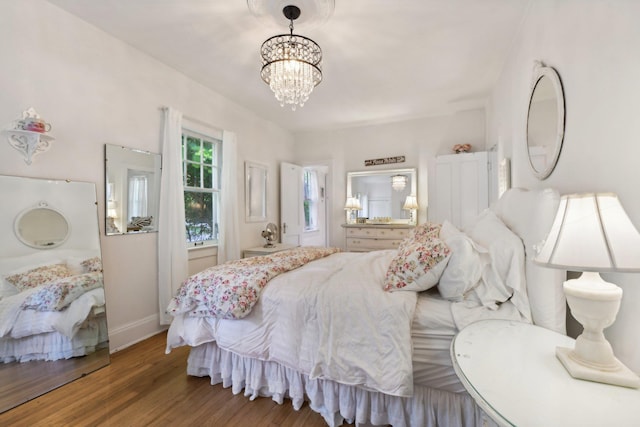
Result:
310,200
201,162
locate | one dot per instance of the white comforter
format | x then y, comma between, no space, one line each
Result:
324,320
18,323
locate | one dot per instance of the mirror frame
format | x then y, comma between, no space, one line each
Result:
540,72
40,206
77,202
255,191
122,204
412,172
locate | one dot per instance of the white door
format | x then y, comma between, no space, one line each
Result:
291,204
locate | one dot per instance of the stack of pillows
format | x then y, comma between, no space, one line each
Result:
482,266
55,285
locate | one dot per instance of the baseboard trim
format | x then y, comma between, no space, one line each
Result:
134,332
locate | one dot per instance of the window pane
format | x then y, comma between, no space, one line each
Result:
207,176
201,214
193,149
207,152
193,175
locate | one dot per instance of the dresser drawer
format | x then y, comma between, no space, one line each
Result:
378,233
359,244
392,233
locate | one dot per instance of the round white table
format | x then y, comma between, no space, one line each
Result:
511,370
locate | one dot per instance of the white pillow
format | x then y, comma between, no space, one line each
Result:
417,266
504,277
465,267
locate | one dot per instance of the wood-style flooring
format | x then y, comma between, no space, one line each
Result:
20,382
144,387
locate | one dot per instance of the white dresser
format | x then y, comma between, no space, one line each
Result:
372,237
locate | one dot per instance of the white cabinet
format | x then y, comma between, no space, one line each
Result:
461,188
372,237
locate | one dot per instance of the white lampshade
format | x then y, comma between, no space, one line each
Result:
411,202
112,209
352,204
591,232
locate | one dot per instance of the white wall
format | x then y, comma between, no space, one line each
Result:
95,89
418,140
594,47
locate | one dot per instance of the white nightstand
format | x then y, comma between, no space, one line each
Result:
511,370
261,250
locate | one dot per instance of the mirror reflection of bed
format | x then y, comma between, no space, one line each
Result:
52,312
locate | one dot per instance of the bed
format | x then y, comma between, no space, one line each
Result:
51,306
364,337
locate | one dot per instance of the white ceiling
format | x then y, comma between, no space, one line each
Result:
384,60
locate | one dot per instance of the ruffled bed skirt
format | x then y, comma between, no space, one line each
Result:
336,402
54,345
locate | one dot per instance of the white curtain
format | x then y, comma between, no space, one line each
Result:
137,196
173,258
229,242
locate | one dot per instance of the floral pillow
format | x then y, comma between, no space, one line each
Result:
425,231
57,295
38,276
417,266
92,264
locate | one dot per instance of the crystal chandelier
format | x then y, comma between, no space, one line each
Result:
291,64
398,182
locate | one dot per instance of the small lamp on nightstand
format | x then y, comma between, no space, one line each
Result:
411,205
352,205
592,233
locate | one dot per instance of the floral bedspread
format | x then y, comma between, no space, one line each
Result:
230,290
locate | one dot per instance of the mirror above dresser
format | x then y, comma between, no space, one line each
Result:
381,208
382,196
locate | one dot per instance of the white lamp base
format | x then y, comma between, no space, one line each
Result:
594,303
620,375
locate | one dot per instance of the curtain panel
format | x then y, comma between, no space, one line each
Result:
173,259
229,243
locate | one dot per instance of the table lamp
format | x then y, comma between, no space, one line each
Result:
352,204
411,205
592,233
112,215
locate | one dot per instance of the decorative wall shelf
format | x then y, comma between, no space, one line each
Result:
29,143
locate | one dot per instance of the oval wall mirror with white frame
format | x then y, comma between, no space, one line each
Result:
545,121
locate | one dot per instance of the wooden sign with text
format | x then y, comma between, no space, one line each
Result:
384,161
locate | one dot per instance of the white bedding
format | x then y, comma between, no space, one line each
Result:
324,320
438,397
17,323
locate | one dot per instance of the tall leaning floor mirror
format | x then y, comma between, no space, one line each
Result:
53,326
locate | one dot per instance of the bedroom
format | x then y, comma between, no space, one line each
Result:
93,99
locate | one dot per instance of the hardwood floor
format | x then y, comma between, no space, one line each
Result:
144,387
20,382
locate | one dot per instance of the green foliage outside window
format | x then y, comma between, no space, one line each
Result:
201,173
